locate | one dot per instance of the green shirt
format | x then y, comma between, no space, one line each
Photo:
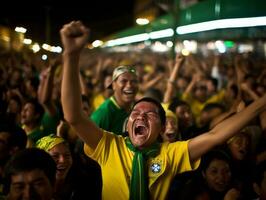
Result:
109,116
50,123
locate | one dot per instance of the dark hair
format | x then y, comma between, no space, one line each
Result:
208,107
17,136
214,81
158,104
17,99
34,82
212,155
84,98
154,93
37,107
27,160
234,89
177,102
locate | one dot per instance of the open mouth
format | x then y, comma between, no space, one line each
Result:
242,153
61,169
140,130
129,93
221,186
170,135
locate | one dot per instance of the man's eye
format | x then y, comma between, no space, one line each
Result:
134,113
17,188
152,114
55,157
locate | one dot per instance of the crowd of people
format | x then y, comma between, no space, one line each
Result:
132,126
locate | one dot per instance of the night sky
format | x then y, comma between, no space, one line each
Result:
102,17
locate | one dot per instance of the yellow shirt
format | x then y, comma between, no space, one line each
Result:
115,160
97,100
197,106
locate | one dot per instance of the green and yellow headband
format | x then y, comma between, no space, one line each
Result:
48,142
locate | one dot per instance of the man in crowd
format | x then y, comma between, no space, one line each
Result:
137,167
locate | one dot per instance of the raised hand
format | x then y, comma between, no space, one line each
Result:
74,36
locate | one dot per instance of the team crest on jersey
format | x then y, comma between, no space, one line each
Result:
156,167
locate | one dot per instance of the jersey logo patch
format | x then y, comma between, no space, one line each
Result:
156,168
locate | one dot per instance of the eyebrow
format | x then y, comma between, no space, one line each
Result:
153,111
39,179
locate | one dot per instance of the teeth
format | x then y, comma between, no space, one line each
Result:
140,130
128,92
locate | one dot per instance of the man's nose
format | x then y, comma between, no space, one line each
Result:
28,192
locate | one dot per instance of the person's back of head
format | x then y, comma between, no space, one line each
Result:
154,93
30,173
209,112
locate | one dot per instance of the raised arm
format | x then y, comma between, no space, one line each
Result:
45,89
225,129
172,80
74,37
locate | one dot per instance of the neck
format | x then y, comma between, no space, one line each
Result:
125,105
30,127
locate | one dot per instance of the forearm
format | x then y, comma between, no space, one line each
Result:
227,128
47,87
71,92
220,118
251,93
170,88
151,83
168,95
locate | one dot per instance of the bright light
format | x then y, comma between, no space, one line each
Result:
5,38
57,49
20,29
169,44
36,47
185,52
128,40
222,24
97,43
243,48
140,37
220,46
161,34
229,44
27,41
210,45
47,47
159,47
142,21
190,45
44,57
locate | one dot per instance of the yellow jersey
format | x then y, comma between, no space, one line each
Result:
116,159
